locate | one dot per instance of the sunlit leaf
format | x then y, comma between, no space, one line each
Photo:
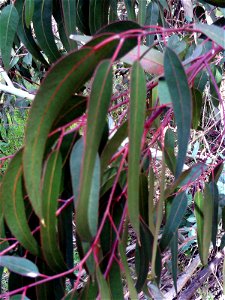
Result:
182,104
12,199
136,127
9,20
19,265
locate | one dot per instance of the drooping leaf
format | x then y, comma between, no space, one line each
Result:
142,12
19,265
97,110
170,158
214,32
19,297
215,198
197,105
12,200
98,14
112,145
8,25
29,11
182,104
130,282
152,15
103,285
177,211
68,75
143,197
82,17
151,62
163,91
199,220
136,127
42,23
174,253
25,34
69,20
115,282
49,202
130,7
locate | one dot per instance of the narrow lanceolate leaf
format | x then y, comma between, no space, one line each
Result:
182,103
214,32
198,199
87,206
25,34
98,14
136,127
177,211
82,17
19,265
130,7
68,76
49,202
169,150
130,282
69,20
103,285
152,15
215,198
207,227
29,11
142,12
43,29
8,25
11,196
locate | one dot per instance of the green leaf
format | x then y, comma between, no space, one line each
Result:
98,14
177,212
169,143
152,15
103,285
174,253
214,32
82,17
29,11
25,34
130,7
143,198
97,110
136,127
19,265
68,75
8,25
130,282
12,199
215,198
19,297
50,192
142,12
182,103
42,23
197,106
69,20
163,91
115,282
198,199
112,145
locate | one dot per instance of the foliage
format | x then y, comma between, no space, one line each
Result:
74,168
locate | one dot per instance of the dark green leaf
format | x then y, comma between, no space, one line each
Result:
98,14
222,243
50,192
143,198
197,106
214,32
115,282
178,209
11,196
152,16
103,286
182,103
19,297
130,7
199,220
42,23
169,143
8,25
87,206
69,20
215,198
25,34
29,11
136,127
142,12
215,175
82,17
19,265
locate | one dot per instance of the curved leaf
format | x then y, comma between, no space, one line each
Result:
25,34
181,97
43,29
11,195
177,211
98,14
103,285
29,11
82,17
136,127
69,20
50,192
97,110
19,265
8,25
